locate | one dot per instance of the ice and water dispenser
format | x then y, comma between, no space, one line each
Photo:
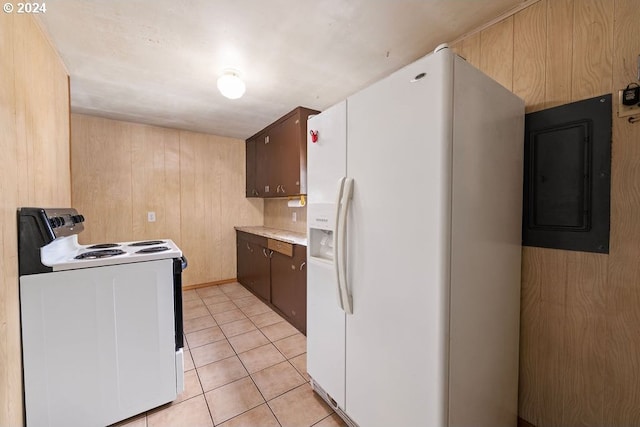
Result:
321,221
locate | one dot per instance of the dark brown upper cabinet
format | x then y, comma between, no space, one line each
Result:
277,157
252,191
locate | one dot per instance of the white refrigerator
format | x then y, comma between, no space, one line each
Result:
414,226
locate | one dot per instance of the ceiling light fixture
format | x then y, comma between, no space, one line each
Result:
231,85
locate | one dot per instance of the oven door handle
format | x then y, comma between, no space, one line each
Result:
184,262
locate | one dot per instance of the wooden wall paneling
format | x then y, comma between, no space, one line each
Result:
238,210
200,211
553,287
622,370
592,48
9,389
231,183
214,194
189,180
34,117
469,49
42,104
530,375
497,52
191,211
585,340
579,361
101,178
172,187
559,52
529,55
155,182
24,146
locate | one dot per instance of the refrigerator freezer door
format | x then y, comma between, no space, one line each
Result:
325,330
399,156
326,158
326,164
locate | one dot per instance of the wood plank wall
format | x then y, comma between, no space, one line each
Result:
195,184
580,321
34,171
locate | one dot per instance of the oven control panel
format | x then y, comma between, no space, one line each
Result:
64,221
50,223
38,227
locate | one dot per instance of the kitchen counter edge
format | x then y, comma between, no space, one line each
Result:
293,237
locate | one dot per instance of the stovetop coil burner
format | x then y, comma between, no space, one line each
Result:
105,253
147,243
104,246
152,250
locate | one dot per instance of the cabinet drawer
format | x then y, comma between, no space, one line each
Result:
251,238
279,246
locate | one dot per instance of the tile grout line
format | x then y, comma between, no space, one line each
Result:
251,374
236,354
265,402
286,360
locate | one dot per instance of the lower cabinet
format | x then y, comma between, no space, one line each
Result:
289,286
253,264
275,271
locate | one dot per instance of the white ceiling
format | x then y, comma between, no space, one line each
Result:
157,61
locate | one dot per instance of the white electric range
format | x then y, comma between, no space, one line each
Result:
102,336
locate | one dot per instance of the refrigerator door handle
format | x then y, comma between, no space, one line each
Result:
347,193
336,249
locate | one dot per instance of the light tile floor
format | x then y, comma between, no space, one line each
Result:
244,366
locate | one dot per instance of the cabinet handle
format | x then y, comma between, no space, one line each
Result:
248,247
270,254
302,265
255,192
264,252
282,188
266,139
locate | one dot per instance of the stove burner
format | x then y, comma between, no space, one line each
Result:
152,250
104,246
147,243
105,253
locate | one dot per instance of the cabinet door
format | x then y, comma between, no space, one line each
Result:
289,286
264,165
251,189
261,284
244,262
287,150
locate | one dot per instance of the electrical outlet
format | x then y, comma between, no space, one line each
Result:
626,110
151,216
294,216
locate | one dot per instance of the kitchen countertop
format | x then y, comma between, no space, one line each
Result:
293,237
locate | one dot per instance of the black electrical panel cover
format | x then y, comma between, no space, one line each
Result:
567,176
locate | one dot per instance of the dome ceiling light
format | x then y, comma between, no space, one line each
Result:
231,85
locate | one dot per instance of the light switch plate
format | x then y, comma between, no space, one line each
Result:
151,216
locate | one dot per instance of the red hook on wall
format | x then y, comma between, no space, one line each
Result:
314,136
